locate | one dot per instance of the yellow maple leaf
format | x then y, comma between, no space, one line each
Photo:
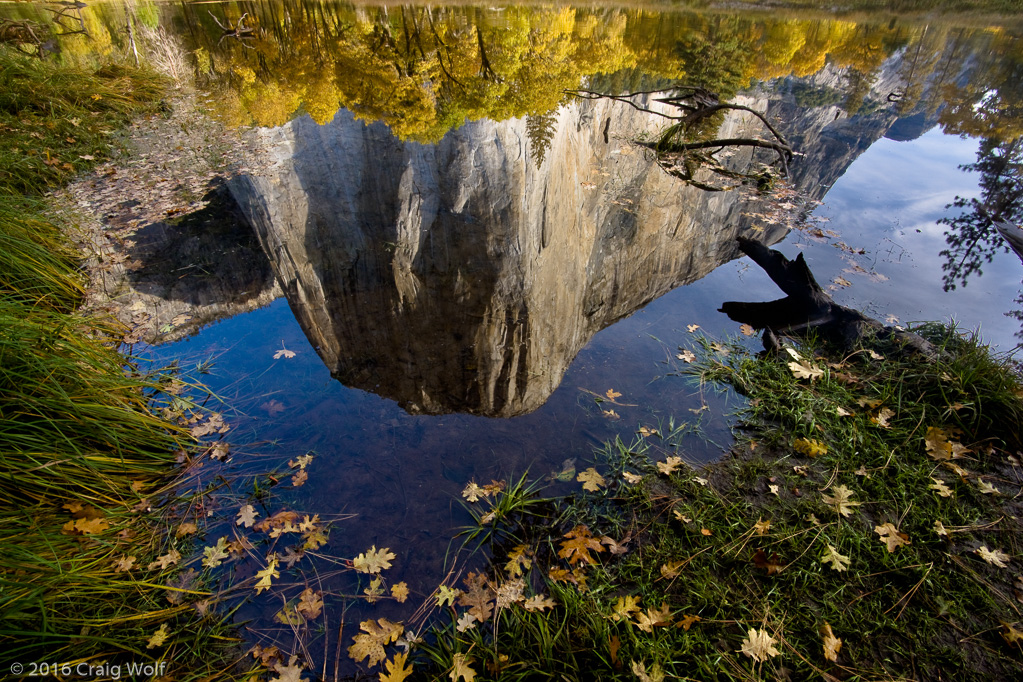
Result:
461,670
761,527
882,417
576,548
591,480
891,536
804,370
995,557
447,595
370,643
473,492
612,394
832,644
841,500
759,645
266,574
538,602
519,559
373,560
940,487
396,669
314,539
400,592
937,443
158,638
646,621
169,559
124,564
624,608
668,466
374,590
671,569
212,556
839,562
288,673
310,603
809,447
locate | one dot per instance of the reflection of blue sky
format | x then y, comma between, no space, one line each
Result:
888,203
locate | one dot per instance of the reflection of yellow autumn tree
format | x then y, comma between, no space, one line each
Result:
989,103
423,71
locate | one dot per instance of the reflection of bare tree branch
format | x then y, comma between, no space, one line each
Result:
486,70
237,31
678,147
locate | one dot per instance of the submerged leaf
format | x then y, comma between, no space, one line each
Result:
591,480
373,560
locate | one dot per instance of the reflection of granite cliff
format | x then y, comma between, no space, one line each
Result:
461,277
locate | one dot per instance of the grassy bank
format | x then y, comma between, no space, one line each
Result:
87,576
865,526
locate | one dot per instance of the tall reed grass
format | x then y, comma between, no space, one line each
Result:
76,426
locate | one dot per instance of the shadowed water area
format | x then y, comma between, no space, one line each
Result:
474,273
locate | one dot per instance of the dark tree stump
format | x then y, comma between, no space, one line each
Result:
808,308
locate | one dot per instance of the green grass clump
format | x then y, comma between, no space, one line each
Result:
686,568
84,460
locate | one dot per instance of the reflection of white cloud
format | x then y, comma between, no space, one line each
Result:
888,202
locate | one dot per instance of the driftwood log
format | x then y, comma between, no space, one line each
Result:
807,309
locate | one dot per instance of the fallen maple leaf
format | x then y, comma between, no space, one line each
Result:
692,328
882,417
314,539
447,595
300,462
510,593
842,500
158,638
373,560
671,569
284,353
687,622
478,596
939,485
518,559
810,448
891,536
310,603
832,644
624,608
370,643
212,556
538,602
686,356
839,562
631,478
169,559
651,618
747,330
125,563
759,645
300,478
246,516
939,528
576,548
645,431
655,674
266,574
375,590
986,488
803,370
761,527
396,670
612,394
995,557
473,492
288,673
400,592
461,669
771,564
668,466
591,480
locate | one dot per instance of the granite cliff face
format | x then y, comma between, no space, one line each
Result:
462,277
